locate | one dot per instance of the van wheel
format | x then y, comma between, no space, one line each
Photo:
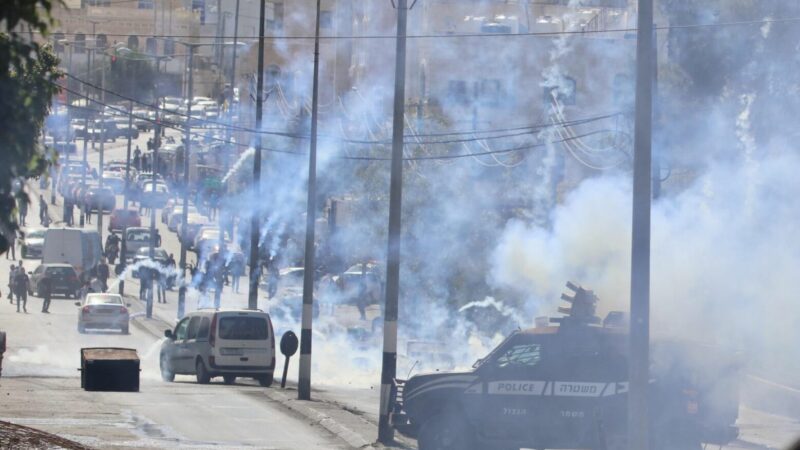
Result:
202,374
446,431
81,328
229,379
125,329
166,373
265,380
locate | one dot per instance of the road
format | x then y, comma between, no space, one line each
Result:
44,357
40,387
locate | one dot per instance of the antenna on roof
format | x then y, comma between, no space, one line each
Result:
583,305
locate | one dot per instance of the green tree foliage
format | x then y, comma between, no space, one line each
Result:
28,72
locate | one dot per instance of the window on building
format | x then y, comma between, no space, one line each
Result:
200,6
101,41
58,44
169,46
80,43
145,4
275,17
151,45
133,43
495,28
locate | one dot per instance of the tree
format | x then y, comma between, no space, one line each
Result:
28,72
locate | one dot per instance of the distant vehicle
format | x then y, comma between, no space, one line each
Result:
74,246
350,282
188,231
63,279
65,147
176,216
226,343
115,183
33,243
103,311
137,237
124,218
167,209
106,129
143,254
154,195
207,237
124,130
98,198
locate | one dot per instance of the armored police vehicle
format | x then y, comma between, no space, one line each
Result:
565,387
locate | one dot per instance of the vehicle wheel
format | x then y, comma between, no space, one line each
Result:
202,374
265,380
125,329
81,328
229,379
446,431
166,374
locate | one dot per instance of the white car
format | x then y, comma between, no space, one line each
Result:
228,343
103,311
176,216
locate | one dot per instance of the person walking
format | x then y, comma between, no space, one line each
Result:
43,219
170,264
21,285
144,282
87,213
23,212
237,270
11,245
11,274
137,161
45,290
103,273
68,212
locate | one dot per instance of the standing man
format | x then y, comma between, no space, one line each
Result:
23,212
103,273
45,290
137,155
87,213
43,219
68,207
11,246
11,274
21,284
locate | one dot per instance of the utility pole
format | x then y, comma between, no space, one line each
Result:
235,47
86,134
255,232
124,247
102,149
304,387
389,369
152,209
185,212
638,412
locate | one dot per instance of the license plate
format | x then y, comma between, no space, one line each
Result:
232,351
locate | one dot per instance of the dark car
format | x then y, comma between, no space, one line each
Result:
97,198
64,279
566,386
143,254
103,129
33,243
123,130
124,218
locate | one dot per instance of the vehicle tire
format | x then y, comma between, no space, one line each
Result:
81,328
166,374
125,329
446,431
229,379
203,376
265,380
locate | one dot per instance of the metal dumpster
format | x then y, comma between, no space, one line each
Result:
109,369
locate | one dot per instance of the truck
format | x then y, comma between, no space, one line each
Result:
74,246
565,385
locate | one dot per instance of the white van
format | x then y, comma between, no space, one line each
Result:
74,246
229,343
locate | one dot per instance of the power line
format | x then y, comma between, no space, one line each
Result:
515,132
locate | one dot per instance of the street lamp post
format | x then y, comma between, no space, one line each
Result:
185,211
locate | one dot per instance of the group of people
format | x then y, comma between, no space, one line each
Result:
19,284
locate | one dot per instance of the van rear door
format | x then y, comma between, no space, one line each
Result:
243,339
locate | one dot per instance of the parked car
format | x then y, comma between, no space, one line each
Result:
115,183
103,311
100,198
123,130
63,278
206,239
33,243
101,129
226,343
124,218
